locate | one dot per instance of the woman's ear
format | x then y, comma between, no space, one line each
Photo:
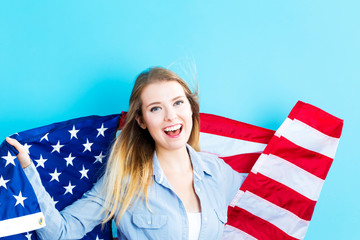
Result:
140,122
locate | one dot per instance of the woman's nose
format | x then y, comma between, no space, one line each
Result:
170,114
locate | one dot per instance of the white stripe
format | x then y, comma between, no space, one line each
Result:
258,163
21,224
226,146
283,127
237,197
231,233
310,138
281,218
292,176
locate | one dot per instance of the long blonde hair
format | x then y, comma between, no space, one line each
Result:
129,169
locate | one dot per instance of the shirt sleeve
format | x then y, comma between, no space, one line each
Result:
74,221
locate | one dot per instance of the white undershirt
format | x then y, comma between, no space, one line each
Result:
194,220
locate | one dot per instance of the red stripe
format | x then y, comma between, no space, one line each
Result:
317,118
255,226
242,163
122,120
313,162
279,194
222,126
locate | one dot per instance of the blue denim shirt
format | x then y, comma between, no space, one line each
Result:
215,183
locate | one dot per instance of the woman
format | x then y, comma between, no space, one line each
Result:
156,184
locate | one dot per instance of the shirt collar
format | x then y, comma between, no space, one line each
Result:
200,168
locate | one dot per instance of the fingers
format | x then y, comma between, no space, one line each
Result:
15,144
23,155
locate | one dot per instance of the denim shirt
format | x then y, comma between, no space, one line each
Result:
215,183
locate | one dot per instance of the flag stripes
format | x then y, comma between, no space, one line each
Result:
22,224
290,175
317,119
290,199
278,197
313,162
229,146
280,217
234,129
254,226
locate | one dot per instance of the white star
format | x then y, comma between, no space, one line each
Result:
101,130
3,182
55,175
69,188
54,202
73,132
87,145
9,159
28,236
57,147
84,172
45,137
99,158
19,199
97,238
41,161
69,160
27,148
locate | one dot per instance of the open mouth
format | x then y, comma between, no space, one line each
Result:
173,130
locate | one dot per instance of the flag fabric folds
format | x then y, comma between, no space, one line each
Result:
69,157
285,169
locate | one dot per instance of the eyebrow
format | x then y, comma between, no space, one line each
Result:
175,98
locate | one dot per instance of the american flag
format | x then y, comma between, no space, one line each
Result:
286,168
69,157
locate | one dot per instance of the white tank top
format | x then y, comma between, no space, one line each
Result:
194,220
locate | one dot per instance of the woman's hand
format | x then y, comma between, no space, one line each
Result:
23,156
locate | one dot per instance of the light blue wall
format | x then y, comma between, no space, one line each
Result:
254,60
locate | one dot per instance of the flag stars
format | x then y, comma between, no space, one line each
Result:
55,175
99,158
73,132
69,160
45,137
57,147
97,238
28,236
3,182
19,199
69,188
53,201
87,145
9,159
40,162
101,130
84,172
27,147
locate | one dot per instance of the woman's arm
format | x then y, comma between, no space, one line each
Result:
74,221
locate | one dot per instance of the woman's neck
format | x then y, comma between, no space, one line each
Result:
175,160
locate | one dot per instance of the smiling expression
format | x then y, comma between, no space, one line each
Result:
167,114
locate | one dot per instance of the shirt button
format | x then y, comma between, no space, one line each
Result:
198,189
205,219
149,222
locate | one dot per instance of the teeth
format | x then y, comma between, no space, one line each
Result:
174,128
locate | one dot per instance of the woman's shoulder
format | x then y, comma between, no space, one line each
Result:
210,163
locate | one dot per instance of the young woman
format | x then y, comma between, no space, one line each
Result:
156,184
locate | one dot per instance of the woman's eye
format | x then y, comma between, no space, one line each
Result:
154,109
179,102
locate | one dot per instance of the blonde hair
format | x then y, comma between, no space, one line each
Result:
129,169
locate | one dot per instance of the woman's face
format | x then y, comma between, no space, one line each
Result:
167,114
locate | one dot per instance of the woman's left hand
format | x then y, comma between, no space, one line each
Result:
23,156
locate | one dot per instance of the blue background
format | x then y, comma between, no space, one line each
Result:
254,60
